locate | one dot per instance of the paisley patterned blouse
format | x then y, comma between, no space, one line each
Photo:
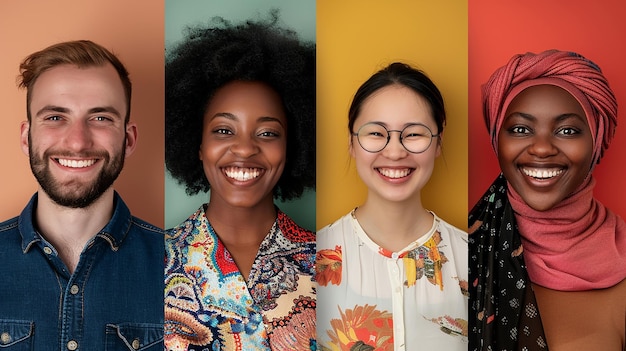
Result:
374,299
209,306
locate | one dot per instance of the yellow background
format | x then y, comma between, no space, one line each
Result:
356,38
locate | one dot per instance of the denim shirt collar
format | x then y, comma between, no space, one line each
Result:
113,232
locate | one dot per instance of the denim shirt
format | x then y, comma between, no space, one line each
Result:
112,301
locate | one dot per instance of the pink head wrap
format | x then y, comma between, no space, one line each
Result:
578,244
570,71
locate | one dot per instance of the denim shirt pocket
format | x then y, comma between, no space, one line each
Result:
134,336
16,335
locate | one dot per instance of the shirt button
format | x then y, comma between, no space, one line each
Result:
136,344
5,338
394,255
47,250
72,345
74,289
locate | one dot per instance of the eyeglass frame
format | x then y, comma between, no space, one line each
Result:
356,134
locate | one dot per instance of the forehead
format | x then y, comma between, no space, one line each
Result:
74,87
246,99
545,101
396,104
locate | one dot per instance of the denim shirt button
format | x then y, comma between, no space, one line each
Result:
72,345
47,250
74,289
136,344
5,338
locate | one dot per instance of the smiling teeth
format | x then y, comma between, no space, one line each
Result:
242,174
394,173
76,163
542,173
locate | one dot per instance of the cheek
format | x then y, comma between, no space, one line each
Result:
508,150
113,139
580,156
580,153
427,161
363,161
277,154
208,152
44,140
361,156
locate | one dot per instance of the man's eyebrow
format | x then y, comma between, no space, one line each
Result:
59,109
108,109
52,108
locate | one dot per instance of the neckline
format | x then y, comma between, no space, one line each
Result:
365,239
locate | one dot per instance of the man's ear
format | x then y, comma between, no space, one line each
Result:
24,130
131,138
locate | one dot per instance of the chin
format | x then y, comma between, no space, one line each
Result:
541,203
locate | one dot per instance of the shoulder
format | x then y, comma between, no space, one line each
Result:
9,225
292,231
10,233
453,232
146,227
193,224
338,225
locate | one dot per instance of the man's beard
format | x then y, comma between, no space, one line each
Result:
76,193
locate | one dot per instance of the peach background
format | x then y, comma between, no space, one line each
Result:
131,29
499,29
356,38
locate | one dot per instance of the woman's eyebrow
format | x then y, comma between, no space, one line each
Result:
565,116
226,115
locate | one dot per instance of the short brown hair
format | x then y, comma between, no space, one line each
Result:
82,53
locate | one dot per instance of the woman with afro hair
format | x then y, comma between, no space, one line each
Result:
240,121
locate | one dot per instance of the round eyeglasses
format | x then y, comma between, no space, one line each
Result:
374,137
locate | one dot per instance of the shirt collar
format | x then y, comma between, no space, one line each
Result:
113,232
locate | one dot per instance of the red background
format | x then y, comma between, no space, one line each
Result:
499,29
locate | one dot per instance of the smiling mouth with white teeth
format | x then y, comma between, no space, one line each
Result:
542,173
76,163
394,173
242,174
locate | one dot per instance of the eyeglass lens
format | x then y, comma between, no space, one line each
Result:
374,137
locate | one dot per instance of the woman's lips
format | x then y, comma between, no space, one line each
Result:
542,173
394,173
242,174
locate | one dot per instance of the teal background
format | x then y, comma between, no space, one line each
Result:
296,15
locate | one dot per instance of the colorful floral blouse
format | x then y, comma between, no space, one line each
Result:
209,306
374,299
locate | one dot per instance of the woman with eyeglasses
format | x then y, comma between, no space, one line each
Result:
391,274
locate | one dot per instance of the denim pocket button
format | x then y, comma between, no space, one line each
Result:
134,336
5,338
16,335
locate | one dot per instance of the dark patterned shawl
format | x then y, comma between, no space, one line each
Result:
503,311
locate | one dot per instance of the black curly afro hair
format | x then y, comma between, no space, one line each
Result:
208,58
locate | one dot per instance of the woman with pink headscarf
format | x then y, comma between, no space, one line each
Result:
547,260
